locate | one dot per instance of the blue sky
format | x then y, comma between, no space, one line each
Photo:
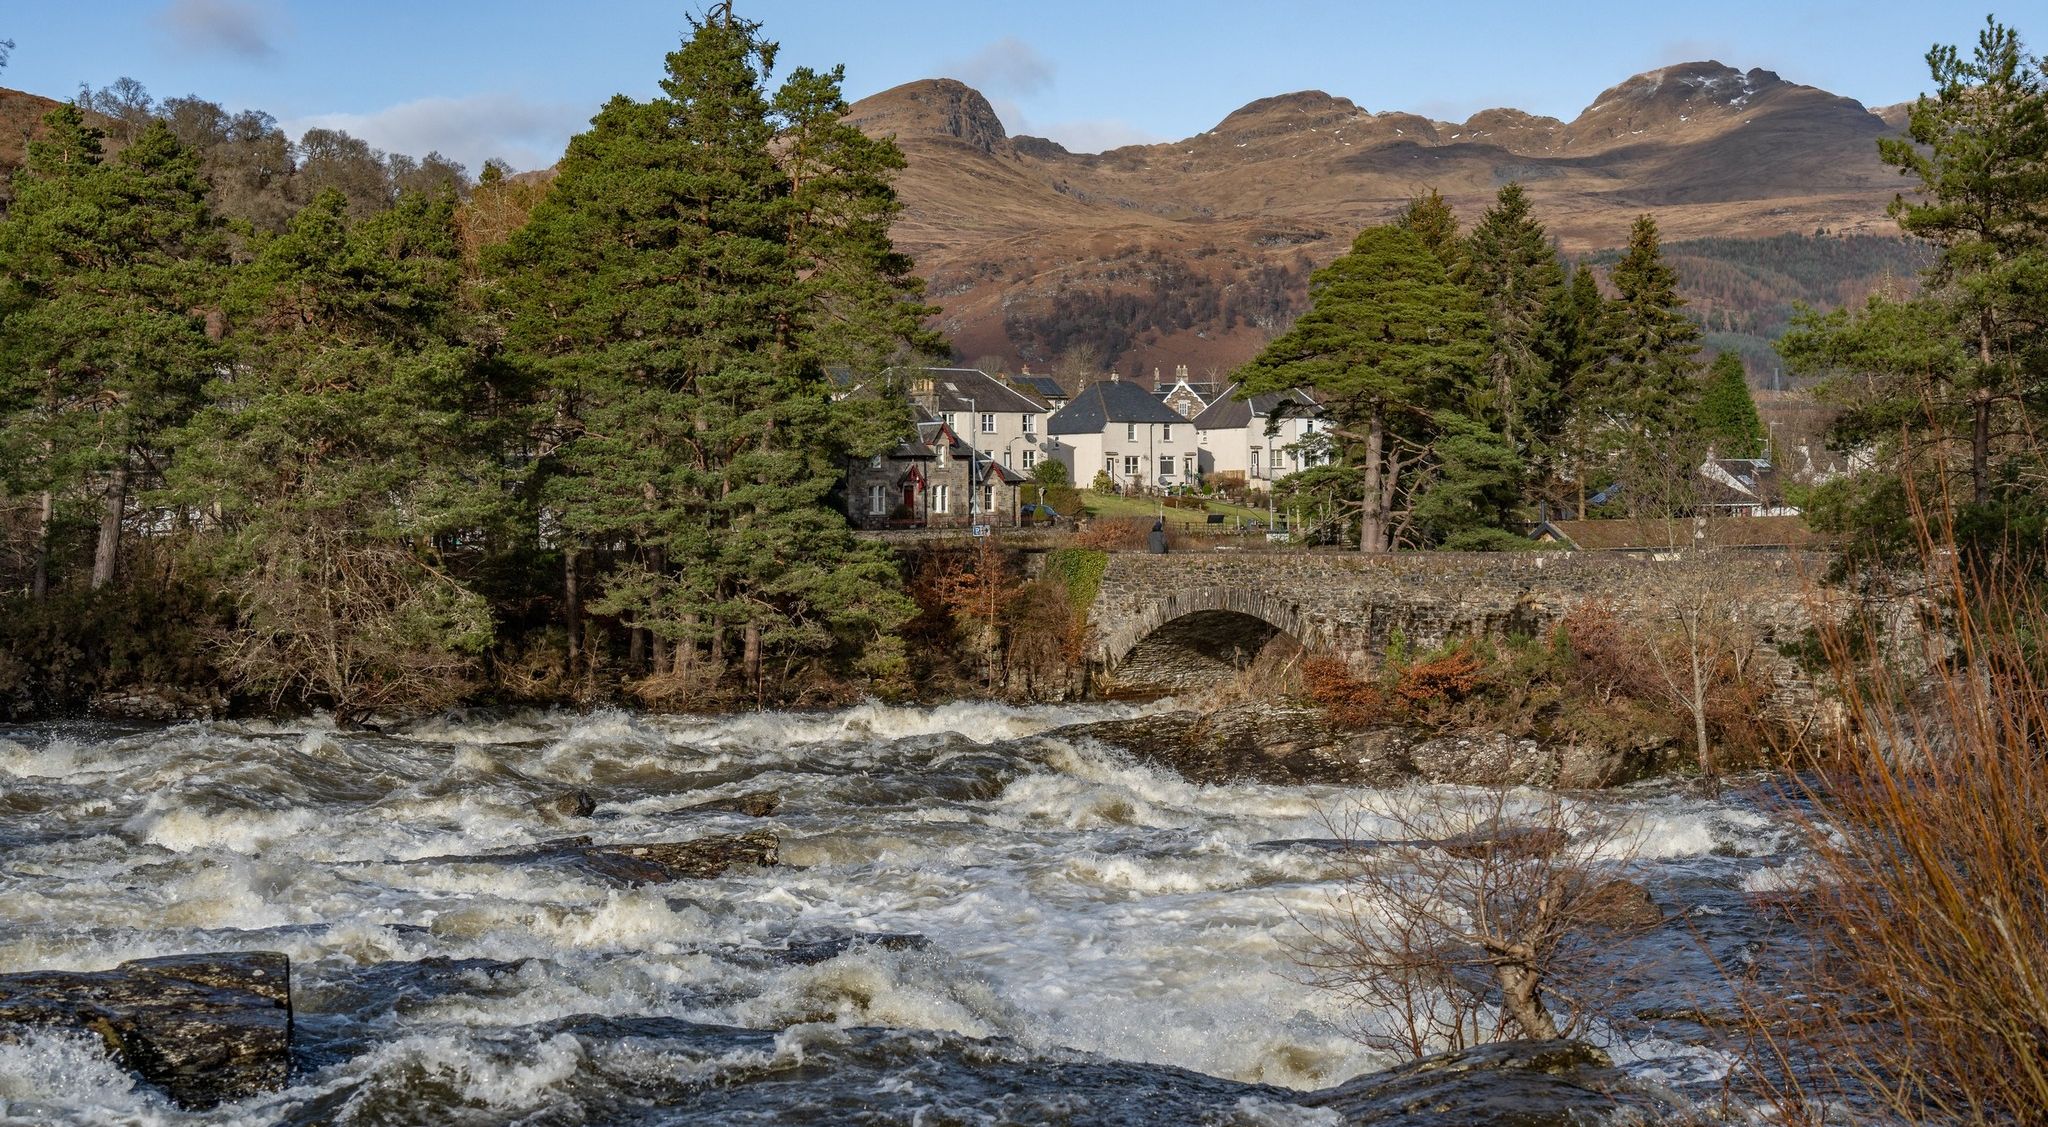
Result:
515,78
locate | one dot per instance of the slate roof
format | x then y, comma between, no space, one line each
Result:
962,390
1101,404
1230,412
1045,387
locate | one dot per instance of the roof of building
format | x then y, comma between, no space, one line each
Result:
1230,412
967,389
1102,404
1045,387
1652,534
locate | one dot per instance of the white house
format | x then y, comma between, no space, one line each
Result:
1254,440
1000,421
1124,431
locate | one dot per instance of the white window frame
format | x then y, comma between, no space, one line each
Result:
1166,465
1166,433
1130,432
1030,423
878,499
1030,460
938,500
1133,466
988,422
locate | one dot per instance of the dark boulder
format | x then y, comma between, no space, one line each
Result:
207,1029
662,861
1620,904
568,804
758,805
1504,1084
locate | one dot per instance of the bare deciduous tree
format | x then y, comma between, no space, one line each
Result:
1475,922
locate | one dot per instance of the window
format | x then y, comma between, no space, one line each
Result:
1006,459
875,463
947,418
988,498
1276,457
1166,465
1030,460
1166,433
1030,423
1130,432
988,423
1130,465
938,498
878,500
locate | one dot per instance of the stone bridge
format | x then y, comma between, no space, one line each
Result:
1168,622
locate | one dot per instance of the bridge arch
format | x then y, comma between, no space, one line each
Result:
1185,638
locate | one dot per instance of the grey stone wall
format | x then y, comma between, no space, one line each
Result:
1349,602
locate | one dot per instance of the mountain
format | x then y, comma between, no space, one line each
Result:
1196,251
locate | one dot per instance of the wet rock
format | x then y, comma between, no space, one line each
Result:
1505,1084
663,861
1620,904
1481,759
1505,842
158,704
805,952
1273,744
759,805
207,1029
566,805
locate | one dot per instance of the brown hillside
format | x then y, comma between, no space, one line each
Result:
1194,251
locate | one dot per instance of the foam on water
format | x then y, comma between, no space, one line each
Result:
1069,899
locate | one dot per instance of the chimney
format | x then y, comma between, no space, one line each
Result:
1025,370
1180,373
1155,377
1113,377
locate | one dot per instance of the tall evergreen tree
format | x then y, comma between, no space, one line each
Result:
1519,280
1433,222
1978,148
1392,344
111,269
1651,348
1577,416
1727,418
340,463
698,261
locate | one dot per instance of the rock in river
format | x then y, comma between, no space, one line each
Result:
206,1029
1504,1084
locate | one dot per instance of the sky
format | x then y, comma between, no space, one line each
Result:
516,78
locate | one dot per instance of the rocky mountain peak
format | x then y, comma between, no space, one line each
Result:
945,106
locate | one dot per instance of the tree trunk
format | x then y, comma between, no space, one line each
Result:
46,512
751,656
572,603
636,649
717,642
1980,418
1522,1001
661,654
1699,701
107,556
685,658
1372,520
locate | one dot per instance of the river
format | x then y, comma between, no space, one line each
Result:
1098,941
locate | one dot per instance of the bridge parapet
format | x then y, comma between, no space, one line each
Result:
1340,601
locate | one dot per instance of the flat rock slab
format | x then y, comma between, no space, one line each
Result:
207,1029
654,862
1504,1084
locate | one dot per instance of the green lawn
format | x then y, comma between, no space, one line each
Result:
1111,505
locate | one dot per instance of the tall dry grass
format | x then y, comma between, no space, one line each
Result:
1924,932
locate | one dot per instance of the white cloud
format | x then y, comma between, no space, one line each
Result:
220,27
469,129
1007,66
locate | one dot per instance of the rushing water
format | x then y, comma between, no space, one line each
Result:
1090,927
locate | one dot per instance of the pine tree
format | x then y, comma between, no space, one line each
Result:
1575,418
1727,417
112,268
1430,217
696,264
1979,150
340,464
1519,280
1651,348
1392,344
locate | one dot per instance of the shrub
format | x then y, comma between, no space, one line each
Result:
1451,677
1347,700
